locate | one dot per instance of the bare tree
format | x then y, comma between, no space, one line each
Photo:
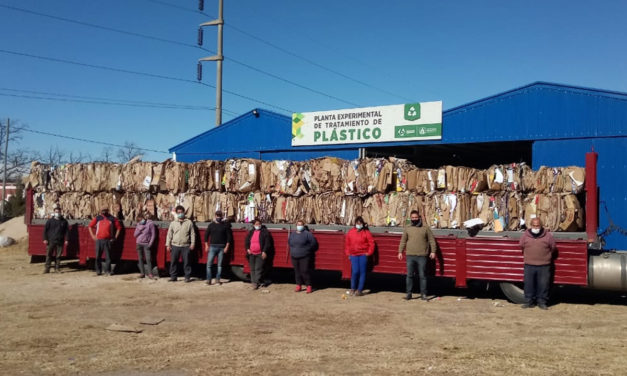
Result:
128,151
54,156
106,155
79,157
18,160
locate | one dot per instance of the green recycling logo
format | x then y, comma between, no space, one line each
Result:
412,111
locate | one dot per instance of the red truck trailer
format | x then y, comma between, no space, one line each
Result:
485,256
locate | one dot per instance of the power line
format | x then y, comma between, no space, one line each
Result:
89,141
97,100
288,52
120,70
146,36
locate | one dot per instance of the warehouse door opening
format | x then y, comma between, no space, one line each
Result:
477,155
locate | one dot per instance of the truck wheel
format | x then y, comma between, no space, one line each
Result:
238,271
513,291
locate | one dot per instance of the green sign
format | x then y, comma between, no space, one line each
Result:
421,130
412,111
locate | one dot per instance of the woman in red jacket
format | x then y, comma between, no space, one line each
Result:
359,245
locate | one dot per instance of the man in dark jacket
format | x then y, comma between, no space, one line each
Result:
218,240
56,235
538,247
258,244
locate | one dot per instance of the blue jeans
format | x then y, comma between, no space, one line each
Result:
416,264
358,272
537,281
215,249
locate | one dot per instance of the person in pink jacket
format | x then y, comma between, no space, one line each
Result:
359,245
145,234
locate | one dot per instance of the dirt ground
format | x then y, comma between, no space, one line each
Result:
56,324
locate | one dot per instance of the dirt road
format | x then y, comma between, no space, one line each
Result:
56,324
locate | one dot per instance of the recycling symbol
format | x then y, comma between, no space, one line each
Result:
422,131
401,132
412,112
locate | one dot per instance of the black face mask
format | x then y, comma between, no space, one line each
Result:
416,222
218,219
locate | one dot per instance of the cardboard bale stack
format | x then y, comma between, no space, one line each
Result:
324,191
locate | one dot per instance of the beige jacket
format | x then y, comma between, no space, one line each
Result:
181,234
417,241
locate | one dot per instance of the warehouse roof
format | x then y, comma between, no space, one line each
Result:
538,111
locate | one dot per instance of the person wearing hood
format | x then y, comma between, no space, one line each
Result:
358,246
418,243
258,245
538,248
145,234
56,235
303,245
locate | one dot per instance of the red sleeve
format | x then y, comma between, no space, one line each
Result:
370,240
117,224
93,222
347,243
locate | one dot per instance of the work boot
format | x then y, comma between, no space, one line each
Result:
543,306
527,305
47,270
408,296
423,297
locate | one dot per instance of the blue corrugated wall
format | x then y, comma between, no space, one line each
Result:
611,176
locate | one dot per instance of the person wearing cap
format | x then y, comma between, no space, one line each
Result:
538,248
418,243
218,240
104,225
56,235
145,235
180,241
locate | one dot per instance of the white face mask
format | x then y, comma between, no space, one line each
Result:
257,228
180,215
359,227
535,231
57,215
300,228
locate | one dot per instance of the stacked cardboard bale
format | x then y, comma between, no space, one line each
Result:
324,191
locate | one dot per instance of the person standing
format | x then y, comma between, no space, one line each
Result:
359,245
538,247
104,224
180,240
145,235
258,242
56,236
417,241
303,246
218,240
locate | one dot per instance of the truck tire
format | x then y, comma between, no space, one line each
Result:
513,291
238,271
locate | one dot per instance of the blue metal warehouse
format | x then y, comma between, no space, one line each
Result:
541,124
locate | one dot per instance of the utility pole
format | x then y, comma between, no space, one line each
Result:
4,179
218,58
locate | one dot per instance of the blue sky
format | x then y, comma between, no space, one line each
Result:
393,52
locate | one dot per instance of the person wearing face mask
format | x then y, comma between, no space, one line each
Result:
538,247
303,245
145,234
221,236
359,245
180,240
418,242
258,245
56,235
104,224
